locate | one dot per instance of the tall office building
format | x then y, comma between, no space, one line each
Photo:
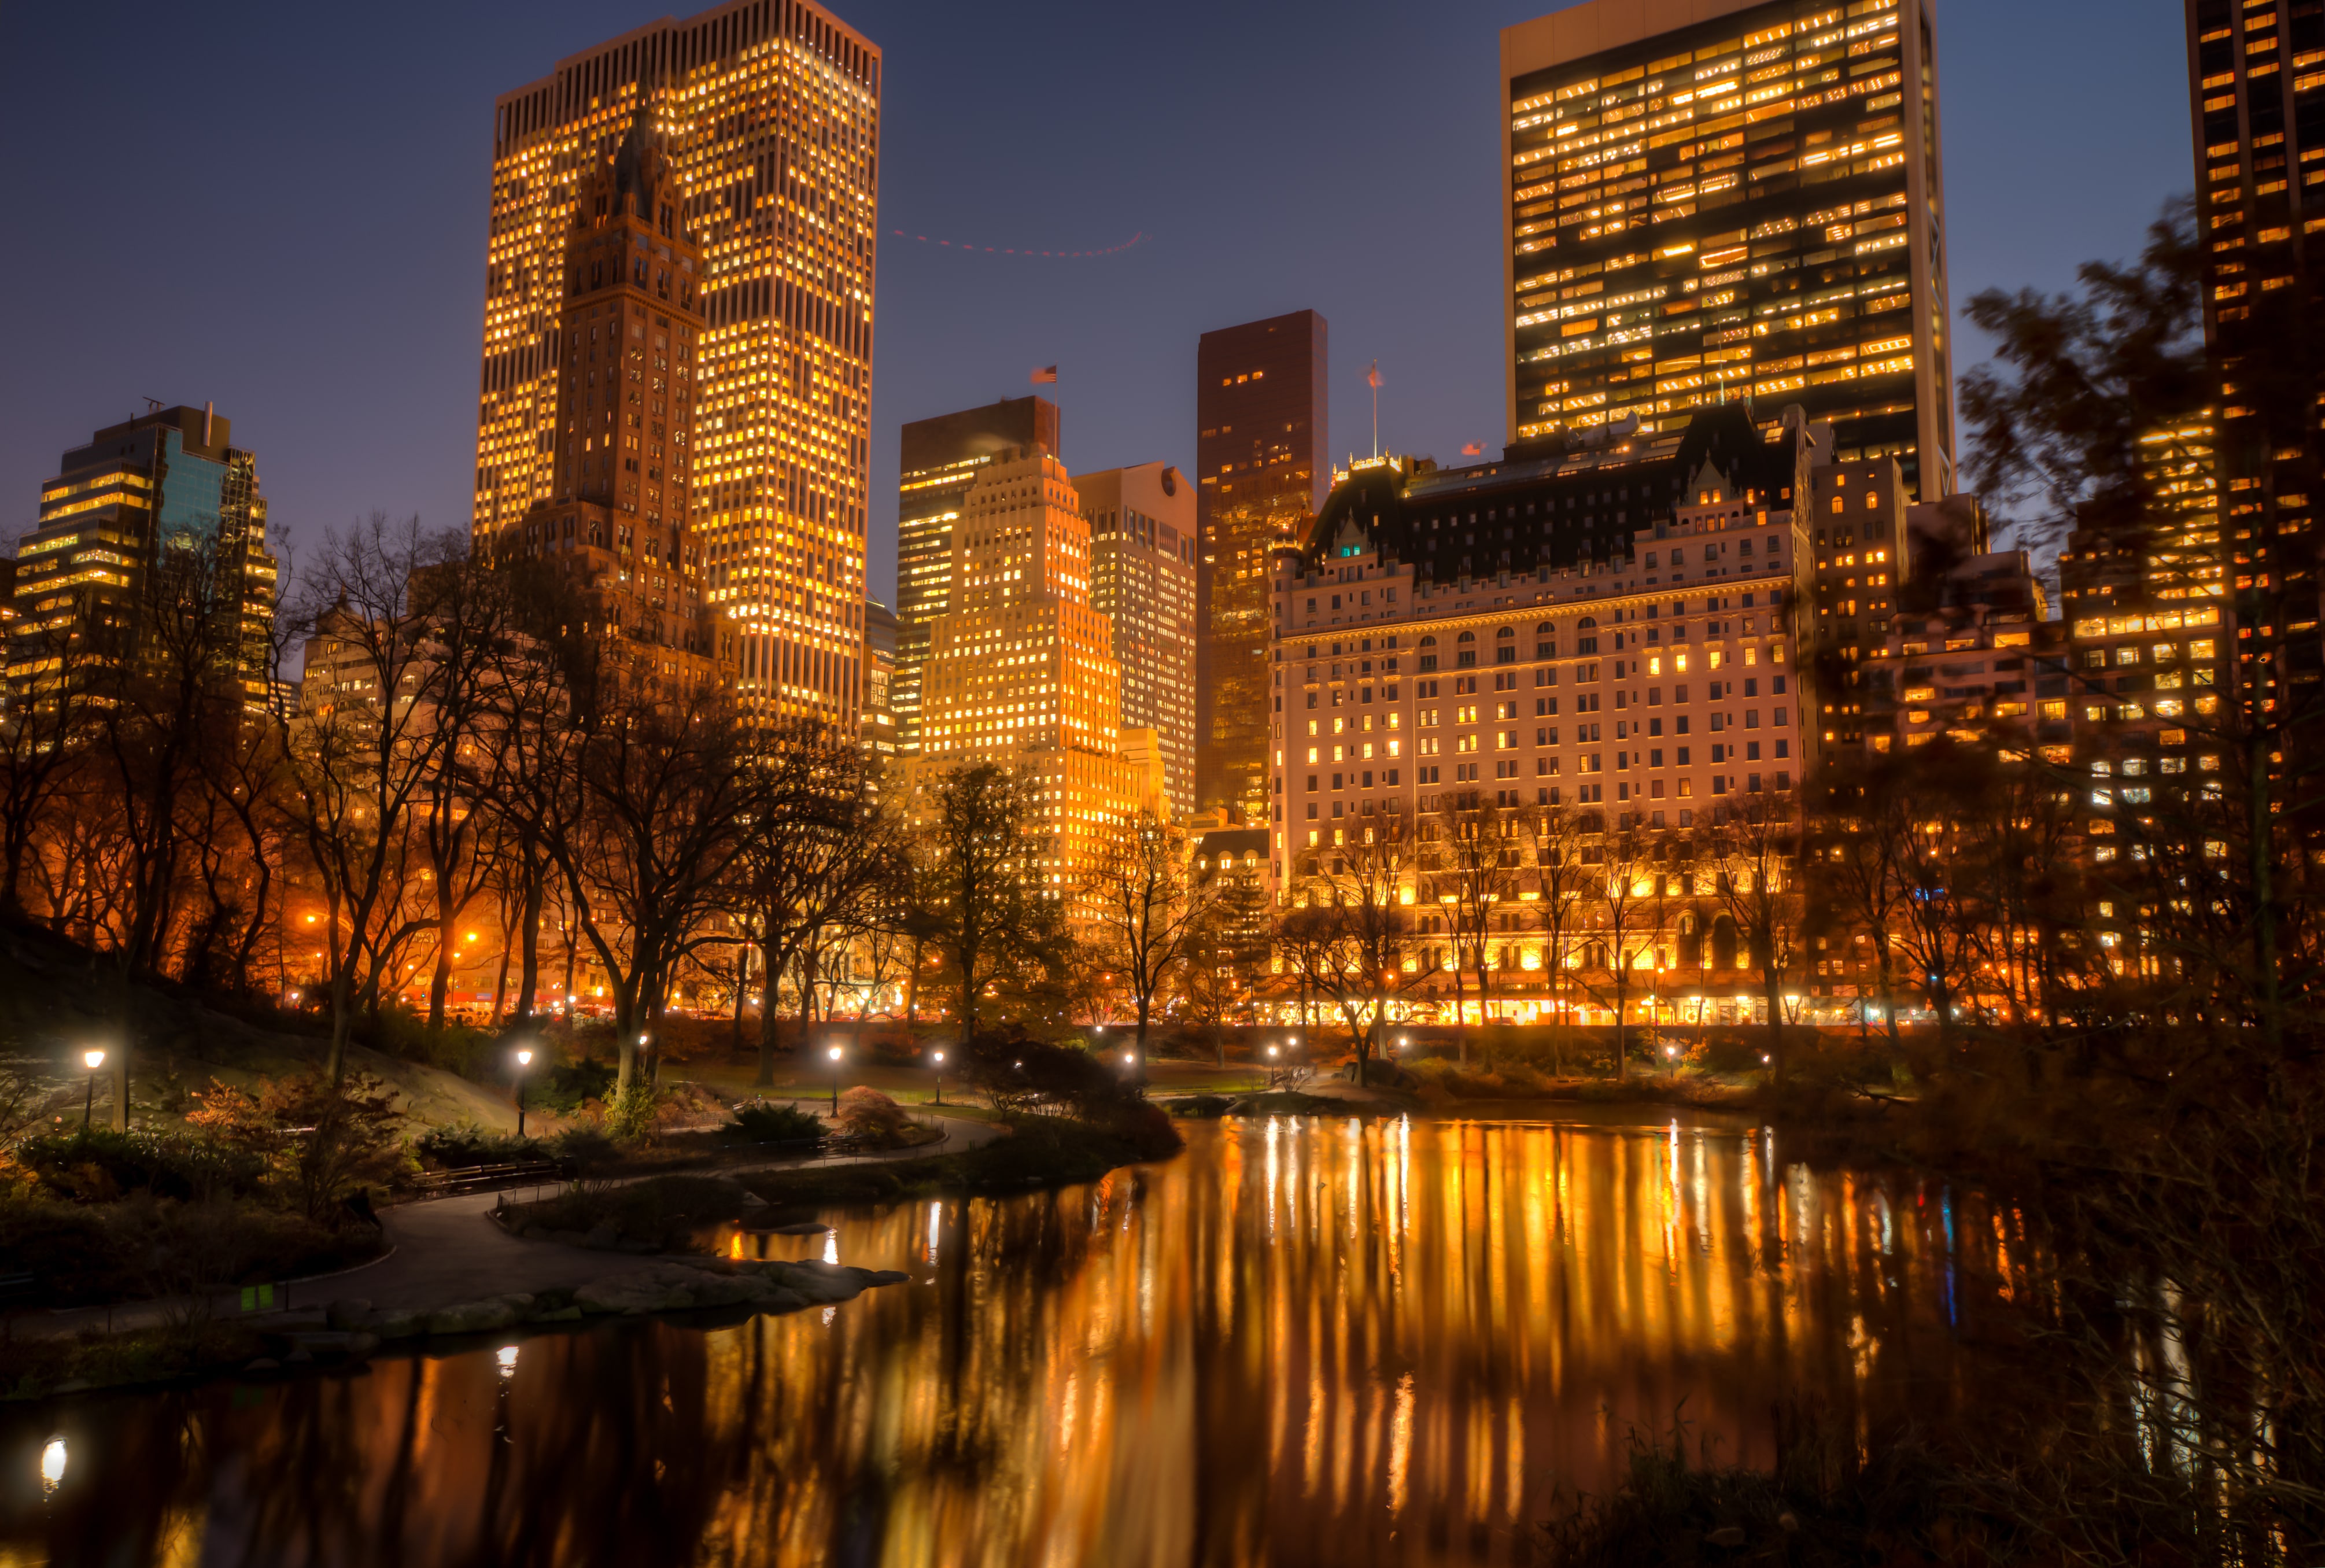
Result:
1142,522
1262,420
941,459
1021,670
1715,201
879,729
616,520
769,112
168,480
2258,101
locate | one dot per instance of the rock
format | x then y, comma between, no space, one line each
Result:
642,1249
476,1317
1789,1521
633,1295
321,1342
265,1364
301,1357
399,1325
570,1237
348,1312
818,1281
605,1233
564,1314
360,1344
885,1276
73,1385
801,1227
1726,1535
532,1233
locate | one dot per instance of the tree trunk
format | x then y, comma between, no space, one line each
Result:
1770,987
1622,1025
439,982
529,978
769,971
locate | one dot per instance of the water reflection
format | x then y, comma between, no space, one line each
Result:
1302,1342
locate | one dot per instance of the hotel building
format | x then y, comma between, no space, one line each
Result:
1716,200
1262,419
769,113
1021,670
1142,523
168,480
1649,683
941,459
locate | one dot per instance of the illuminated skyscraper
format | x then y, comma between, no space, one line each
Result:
1022,669
1714,201
769,111
2258,106
1142,523
615,521
1262,423
169,479
941,458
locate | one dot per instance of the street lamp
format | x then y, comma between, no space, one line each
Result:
94,1060
1272,1052
524,1061
937,1057
835,1083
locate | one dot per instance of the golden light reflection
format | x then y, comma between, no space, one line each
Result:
1300,1342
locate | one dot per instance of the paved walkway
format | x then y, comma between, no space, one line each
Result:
448,1251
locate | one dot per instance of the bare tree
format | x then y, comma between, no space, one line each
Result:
1620,865
1147,909
1561,883
1757,852
1348,934
982,854
1475,884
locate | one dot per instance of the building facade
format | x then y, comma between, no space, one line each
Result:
2257,102
1142,577
169,479
1021,670
1729,199
769,114
1263,422
879,691
940,460
628,359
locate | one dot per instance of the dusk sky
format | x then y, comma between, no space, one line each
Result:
282,209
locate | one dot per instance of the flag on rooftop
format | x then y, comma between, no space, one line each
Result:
1048,373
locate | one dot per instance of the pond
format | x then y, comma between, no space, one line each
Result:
1304,1340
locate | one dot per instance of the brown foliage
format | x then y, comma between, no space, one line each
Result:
321,1142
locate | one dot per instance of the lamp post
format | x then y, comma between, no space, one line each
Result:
937,1058
524,1061
835,1083
1272,1052
94,1060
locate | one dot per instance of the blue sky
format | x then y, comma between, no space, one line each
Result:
282,209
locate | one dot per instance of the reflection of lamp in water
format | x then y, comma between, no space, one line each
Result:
52,1466
505,1359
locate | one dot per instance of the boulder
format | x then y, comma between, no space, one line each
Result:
399,1325
264,1364
476,1317
644,1290
564,1314
885,1276
819,1281
605,1233
801,1227
348,1312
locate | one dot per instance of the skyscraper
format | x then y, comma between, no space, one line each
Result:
941,459
1142,522
879,730
168,480
1262,422
2258,101
1021,670
769,112
616,518
1714,201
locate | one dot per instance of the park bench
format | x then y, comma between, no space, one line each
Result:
490,1178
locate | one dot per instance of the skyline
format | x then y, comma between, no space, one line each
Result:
353,408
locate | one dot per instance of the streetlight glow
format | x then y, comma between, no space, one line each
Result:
94,1059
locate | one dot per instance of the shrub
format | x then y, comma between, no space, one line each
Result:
662,1211
871,1115
320,1142
1019,1073
146,1247
765,1122
585,1145
99,1164
630,1115
570,1085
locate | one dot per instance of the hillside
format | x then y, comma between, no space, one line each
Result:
57,1000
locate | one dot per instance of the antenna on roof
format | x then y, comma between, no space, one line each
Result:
152,405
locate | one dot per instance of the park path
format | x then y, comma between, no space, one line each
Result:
448,1251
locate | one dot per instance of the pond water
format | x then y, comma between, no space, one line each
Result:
1308,1340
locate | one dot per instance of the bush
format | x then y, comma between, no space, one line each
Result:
570,1085
872,1116
1019,1073
146,1247
764,1122
318,1142
99,1164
